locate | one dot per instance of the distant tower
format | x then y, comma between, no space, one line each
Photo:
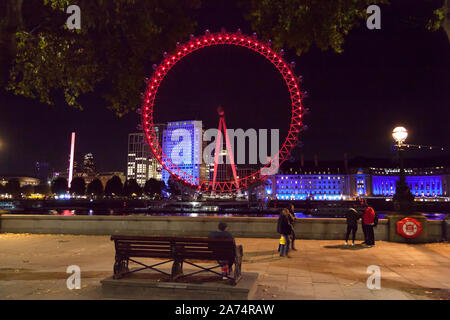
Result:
346,162
89,170
42,171
219,151
72,151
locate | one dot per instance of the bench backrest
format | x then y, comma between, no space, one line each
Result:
175,247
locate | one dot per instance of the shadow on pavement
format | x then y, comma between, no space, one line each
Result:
259,253
348,247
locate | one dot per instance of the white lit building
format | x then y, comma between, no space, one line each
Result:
141,165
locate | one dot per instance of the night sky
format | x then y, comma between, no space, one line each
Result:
398,75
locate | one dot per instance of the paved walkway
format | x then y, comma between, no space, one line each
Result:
34,267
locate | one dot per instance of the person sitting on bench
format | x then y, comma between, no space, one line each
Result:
220,234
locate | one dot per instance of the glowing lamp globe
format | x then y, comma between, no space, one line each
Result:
399,134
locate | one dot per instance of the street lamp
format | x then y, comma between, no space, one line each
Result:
400,134
403,198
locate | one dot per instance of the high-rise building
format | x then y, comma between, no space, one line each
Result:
88,170
89,164
42,171
155,166
139,158
182,149
141,164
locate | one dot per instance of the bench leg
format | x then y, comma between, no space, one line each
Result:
120,267
117,268
177,269
237,265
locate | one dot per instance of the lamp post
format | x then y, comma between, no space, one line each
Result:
400,134
403,198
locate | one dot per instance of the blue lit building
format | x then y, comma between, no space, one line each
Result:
320,184
312,184
182,149
428,182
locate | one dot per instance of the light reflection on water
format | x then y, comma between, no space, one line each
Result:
90,212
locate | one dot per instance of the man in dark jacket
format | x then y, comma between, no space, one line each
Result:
352,225
226,266
284,228
222,232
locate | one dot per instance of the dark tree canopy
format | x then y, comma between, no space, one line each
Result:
119,40
114,187
132,188
13,187
174,186
78,186
95,188
59,185
153,187
27,189
42,188
301,24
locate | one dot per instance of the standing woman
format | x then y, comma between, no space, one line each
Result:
363,210
285,229
352,225
369,223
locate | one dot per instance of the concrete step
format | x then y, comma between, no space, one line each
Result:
131,287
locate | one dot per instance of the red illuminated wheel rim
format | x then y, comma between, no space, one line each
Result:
209,40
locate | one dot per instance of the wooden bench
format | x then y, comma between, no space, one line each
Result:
178,250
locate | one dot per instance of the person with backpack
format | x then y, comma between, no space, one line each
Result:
369,223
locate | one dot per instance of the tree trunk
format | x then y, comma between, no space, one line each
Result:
12,22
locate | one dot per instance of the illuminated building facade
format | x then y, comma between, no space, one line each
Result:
156,167
182,146
423,182
89,164
141,163
320,184
23,181
139,158
323,186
